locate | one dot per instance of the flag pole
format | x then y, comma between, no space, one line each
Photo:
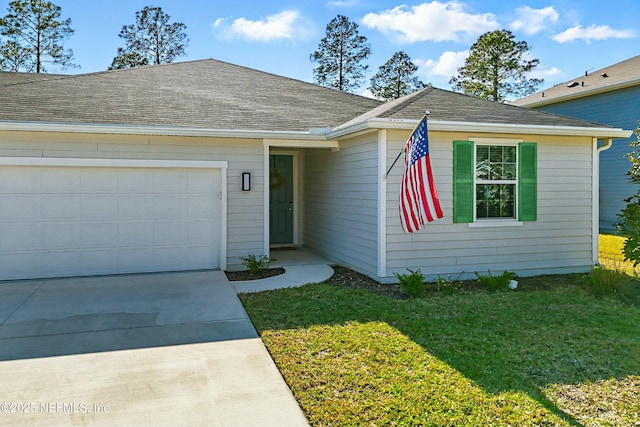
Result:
426,113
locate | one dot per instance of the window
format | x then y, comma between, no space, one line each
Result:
494,181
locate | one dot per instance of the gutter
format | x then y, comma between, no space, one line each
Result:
311,135
548,100
453,126
315,134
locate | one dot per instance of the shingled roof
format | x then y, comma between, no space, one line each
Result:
450,106
214,95
616,76
9,78
206,94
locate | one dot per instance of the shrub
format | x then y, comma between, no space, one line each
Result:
444,285
611,282
256,264
495,283
412,283
629,218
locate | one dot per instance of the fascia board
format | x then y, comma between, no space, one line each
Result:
582,94
452,126
293,143
159,131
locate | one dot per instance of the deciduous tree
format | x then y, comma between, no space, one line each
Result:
340,55
497,68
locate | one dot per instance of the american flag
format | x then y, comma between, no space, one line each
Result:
419,202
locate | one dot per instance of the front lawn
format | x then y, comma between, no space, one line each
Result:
558,356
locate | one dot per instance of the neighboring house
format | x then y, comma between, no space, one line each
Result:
143,169
611,96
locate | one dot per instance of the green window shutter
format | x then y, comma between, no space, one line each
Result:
527,181
463,204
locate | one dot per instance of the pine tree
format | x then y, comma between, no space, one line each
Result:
151,40
35,35
340,55
396,78
497,68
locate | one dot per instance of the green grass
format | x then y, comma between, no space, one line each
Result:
528,358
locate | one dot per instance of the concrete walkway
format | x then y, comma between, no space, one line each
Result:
151,350
301,267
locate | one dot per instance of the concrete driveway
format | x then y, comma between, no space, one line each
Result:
156,349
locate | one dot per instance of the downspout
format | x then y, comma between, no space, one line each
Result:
265,190
382,204
596,194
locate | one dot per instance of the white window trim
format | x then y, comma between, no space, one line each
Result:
498,222
487,223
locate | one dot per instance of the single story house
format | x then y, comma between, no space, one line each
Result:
610,95
194,165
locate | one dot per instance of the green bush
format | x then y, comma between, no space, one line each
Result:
611,282
629,218
495,283
444,285
256,264
412,283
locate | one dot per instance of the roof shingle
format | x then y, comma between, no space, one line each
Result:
211,94
445,105
622,74
205,94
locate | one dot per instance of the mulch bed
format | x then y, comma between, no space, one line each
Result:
354,280
351,279
248,275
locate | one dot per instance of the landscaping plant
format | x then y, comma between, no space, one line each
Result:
412,283
611,282
495,283
444,285
630,216
255,264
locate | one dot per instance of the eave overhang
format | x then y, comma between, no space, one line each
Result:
475,127
550,100
315,138
160,131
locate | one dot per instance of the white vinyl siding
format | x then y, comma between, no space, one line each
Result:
245,217
559,241
340,209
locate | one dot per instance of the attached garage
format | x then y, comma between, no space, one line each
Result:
75,217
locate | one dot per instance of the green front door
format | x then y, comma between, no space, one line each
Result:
280,199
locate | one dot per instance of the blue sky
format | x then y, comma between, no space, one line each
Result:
569,37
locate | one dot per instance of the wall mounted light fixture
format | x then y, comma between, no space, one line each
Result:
246,181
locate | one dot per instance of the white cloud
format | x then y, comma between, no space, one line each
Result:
433,21
284,25
593,32
445,66
544,72
343,3
532,21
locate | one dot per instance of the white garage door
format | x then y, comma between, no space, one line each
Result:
87,217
